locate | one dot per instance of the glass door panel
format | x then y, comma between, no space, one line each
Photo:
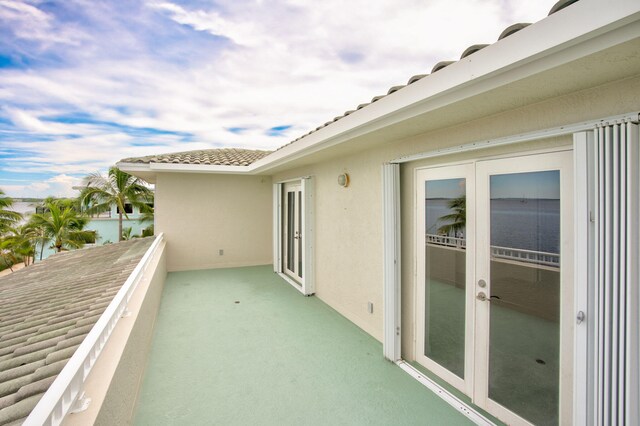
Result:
291,241
299,233
292,228
524,335
494,283
523,288
443,261
445,273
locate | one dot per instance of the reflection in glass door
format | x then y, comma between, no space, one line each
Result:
292,230
520,262
524,335
494,283
443,259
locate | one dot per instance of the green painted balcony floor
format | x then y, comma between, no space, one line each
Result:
242,347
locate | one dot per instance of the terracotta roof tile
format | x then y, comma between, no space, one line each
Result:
46,311
210,157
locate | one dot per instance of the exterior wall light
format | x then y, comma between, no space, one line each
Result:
343,180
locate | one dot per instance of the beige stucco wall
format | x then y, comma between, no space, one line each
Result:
201,214
348,252
349,240
115,379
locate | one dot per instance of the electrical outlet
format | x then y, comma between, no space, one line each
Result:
221,252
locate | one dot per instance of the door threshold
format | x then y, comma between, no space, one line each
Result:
295,284
447,396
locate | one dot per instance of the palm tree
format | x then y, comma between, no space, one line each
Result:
457,220
7,253
126,234
18,244
147,216
7,217
118,188
62,224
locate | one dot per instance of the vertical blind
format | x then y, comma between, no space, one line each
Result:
616,273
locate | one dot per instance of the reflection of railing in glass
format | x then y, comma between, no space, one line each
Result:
528,256
443,240
507,253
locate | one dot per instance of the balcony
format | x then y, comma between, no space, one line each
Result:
241,346
230,346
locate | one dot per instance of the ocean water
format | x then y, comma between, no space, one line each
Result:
23,207
528,224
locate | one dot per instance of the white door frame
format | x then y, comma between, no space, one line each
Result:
305,284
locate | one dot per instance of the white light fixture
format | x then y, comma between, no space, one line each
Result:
343,180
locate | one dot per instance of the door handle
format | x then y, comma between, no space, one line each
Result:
483,297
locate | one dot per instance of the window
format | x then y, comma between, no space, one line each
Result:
128,209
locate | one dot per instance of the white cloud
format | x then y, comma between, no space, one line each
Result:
30,23
57,186
242,33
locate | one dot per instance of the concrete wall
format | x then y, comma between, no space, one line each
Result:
115,379
201,214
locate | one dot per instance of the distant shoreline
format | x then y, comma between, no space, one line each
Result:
27,200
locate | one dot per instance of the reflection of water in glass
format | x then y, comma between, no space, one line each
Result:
525,214
445,280
435,209
524,224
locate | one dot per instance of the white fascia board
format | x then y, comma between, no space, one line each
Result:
133,167
198,168
583,28
181,168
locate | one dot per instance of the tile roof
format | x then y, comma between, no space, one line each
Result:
212,157
47,309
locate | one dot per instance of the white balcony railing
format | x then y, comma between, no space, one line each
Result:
66,392
507,253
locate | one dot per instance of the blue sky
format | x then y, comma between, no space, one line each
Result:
445,188
527,185
84,83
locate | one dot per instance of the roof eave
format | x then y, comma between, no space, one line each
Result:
145,170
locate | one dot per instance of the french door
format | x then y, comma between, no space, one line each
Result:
293,233
292,230
494,283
